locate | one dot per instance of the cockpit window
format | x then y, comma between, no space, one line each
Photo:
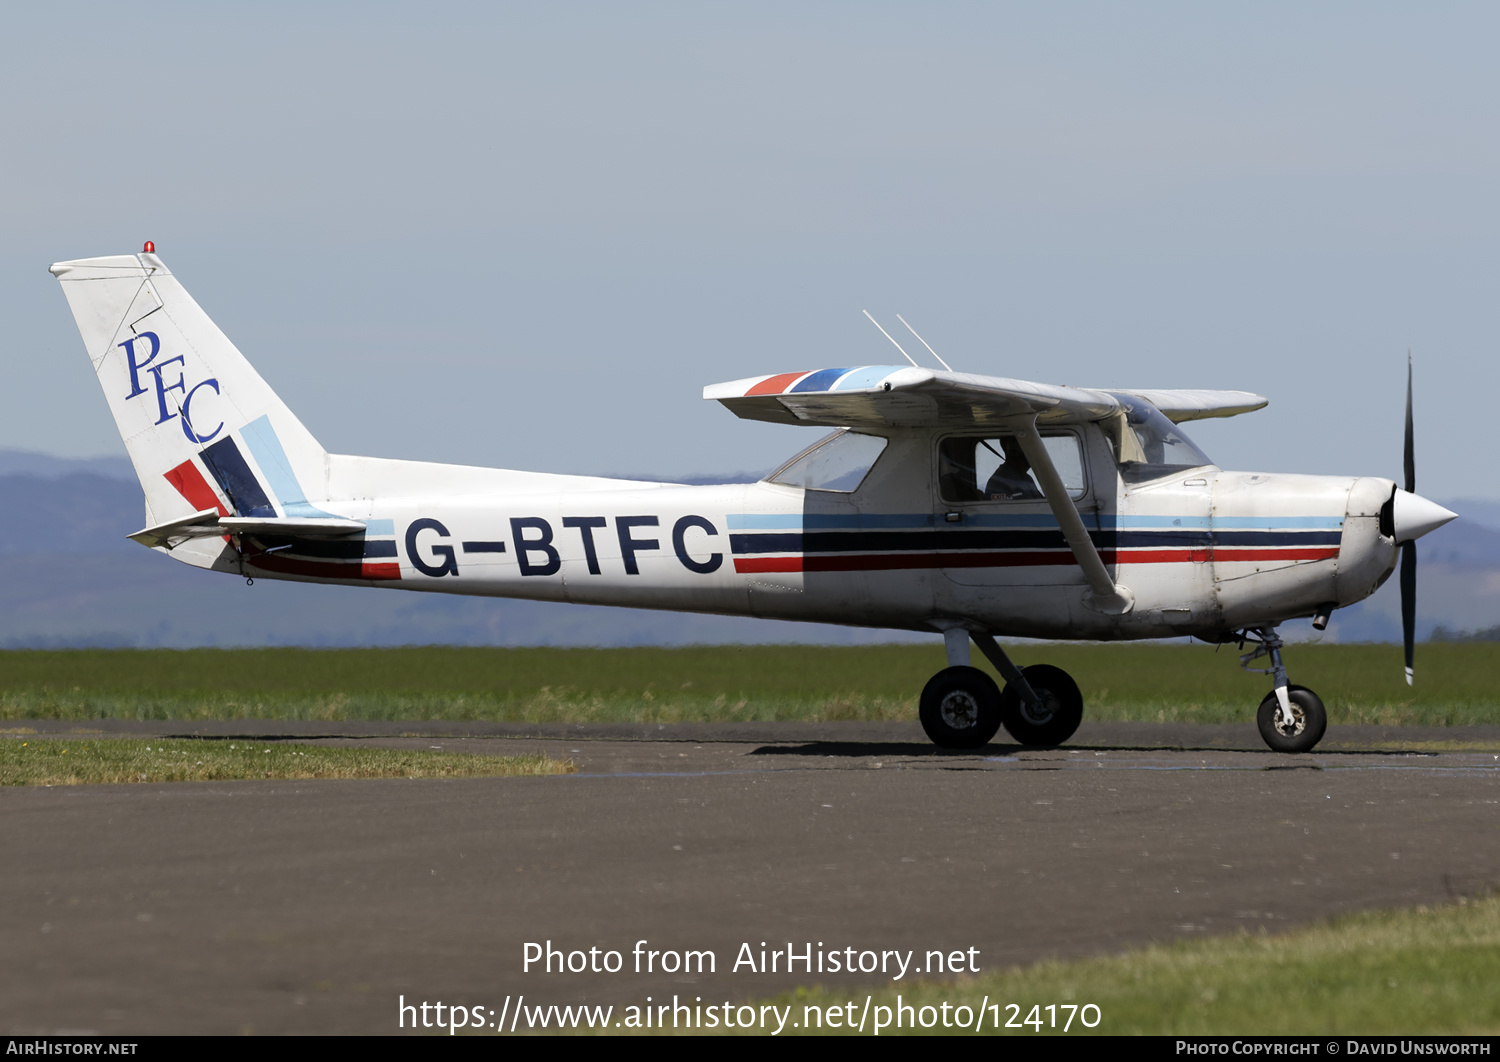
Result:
1147,445
993,468
839,462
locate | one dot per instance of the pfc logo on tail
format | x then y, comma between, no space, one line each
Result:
161,386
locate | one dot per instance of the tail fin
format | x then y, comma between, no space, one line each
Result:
202,428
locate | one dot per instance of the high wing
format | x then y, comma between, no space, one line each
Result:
1180,405
893,396
875,396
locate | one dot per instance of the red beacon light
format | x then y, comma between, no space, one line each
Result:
150,248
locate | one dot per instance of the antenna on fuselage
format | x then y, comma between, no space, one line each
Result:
887,335
922,341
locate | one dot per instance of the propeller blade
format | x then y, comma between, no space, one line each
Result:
1409,549
1409,604
1408,456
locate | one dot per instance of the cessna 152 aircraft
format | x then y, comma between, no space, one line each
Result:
970,506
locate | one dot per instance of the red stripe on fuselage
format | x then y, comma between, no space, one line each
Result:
752,565
1014,559
1232,555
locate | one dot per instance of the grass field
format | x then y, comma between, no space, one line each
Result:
1456,683
1422,971
84,761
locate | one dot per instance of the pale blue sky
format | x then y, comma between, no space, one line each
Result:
528,235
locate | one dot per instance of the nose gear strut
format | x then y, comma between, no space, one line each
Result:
1291,718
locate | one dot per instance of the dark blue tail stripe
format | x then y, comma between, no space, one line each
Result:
236,480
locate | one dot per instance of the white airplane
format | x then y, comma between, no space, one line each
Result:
970,506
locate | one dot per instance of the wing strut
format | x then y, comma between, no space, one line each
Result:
1108,596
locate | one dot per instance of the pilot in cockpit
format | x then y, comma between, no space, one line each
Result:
1012,479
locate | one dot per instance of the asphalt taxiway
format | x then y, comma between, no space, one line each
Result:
270,906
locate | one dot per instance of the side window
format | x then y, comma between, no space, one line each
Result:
993,468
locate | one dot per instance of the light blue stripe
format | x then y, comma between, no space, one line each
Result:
1248,523
868,376
1200,523
380,527
269,455
758,521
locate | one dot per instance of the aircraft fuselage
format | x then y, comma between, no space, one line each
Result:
1205,553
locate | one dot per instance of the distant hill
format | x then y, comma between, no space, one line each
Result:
70,577
45,466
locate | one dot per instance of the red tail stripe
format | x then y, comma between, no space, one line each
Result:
192,486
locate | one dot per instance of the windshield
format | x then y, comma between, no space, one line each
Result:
1147,445
839,462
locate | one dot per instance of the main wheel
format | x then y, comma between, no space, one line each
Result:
1059,715
960,708
1310,720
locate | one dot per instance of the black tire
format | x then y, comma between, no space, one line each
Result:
1312,721
960,708
1062,707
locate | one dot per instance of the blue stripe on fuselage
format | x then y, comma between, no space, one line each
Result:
1018,521
962,538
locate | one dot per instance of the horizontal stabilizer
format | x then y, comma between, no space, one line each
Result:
300,526
201,524
207,523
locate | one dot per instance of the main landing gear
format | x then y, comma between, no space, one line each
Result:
1291,718
962,708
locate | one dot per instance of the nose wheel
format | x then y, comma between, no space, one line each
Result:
1309,720
1291,718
